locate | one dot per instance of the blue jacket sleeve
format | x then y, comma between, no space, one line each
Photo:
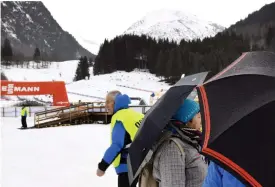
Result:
118,136
214,176
218,177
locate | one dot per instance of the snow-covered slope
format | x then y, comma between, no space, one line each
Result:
57,71
175,25
135,83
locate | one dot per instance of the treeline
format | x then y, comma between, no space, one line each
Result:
170,60
41,59
9,58
128,52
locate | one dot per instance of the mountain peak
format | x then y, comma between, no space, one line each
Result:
29,24
173,24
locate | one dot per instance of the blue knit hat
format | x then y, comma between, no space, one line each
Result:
187,111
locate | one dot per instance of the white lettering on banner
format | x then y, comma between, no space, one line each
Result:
11,88
4,88
17,89
36,89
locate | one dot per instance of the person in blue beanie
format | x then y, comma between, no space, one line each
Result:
124,126
176,159
218,177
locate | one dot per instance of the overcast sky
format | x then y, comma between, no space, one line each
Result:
98,19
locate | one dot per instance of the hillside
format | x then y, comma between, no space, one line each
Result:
261,16
174,25
257,25
169,60
29,24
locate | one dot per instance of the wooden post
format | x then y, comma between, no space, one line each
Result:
34,120
38,122
70,116
88,113
106,118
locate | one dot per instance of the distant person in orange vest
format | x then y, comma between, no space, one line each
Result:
24,114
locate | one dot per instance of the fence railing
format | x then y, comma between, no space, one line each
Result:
15,111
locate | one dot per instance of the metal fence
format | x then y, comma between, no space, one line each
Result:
15,111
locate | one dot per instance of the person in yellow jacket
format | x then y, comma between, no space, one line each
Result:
124,126
24,114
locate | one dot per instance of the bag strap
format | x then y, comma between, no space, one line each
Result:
177,142
146,178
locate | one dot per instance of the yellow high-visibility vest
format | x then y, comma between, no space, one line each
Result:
131,121
23,111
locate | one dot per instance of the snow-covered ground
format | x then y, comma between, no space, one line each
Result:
58,71
135,84
98,86
53,157
7,103
65,156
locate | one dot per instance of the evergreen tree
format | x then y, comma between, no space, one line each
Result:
37,56
85,68
178,68
78,73
82,70
3,76
91,62
98,65
170,64
6,52
270,36
160,66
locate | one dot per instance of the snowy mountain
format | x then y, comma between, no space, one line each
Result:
90,45
175,25
29,24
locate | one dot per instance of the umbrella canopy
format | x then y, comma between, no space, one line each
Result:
155,121
238,116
